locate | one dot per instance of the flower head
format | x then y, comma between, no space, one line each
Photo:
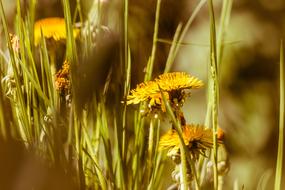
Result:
170,84
143,91
197,139
148,92
178,81
52,29
62,81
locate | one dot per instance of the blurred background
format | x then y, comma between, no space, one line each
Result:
249,71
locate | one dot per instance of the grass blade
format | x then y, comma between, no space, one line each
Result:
278,174
21,108
150,63
214,98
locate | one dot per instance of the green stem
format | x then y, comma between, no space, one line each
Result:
188,24
154,42
127,64
220,182
21,108
55,98
3,125
171,55
150,147
278,174
183,169
215,90
224,21
156,160
178,128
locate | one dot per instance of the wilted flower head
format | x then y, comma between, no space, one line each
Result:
197,139
52,29
62,81
9,85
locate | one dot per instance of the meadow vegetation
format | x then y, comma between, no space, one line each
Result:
75,115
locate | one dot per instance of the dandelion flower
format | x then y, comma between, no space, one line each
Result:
170,84
142,92
196,138
52,29
147,92
175,83
178,81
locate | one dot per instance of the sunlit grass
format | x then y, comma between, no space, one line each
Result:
279,163
105,145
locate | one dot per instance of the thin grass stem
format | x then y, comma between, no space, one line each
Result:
21,108
150,64
215,90
188,24
279,162
174,44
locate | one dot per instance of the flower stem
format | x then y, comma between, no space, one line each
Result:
150,147
183,169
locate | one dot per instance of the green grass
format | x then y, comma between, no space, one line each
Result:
214,97
279,163
103,146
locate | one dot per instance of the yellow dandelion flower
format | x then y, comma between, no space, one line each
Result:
52,28
196,138
178,81
170,84
144,91
148,92
167,82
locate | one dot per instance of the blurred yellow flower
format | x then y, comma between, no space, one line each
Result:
52,28
197,139
220,134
